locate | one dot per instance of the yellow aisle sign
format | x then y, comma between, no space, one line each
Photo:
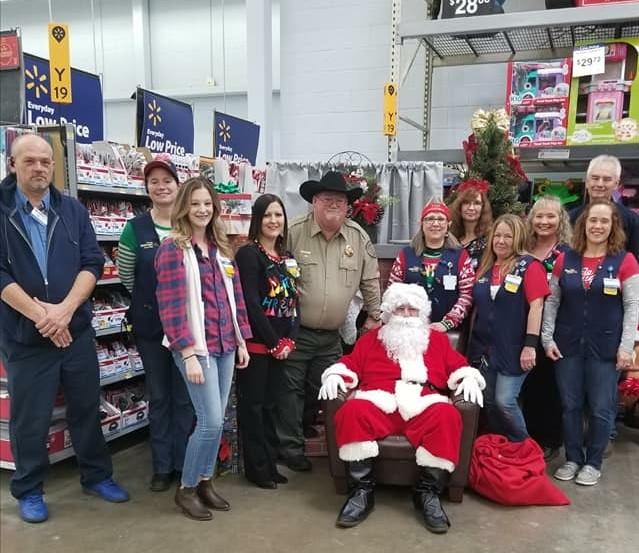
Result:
390,109
59,63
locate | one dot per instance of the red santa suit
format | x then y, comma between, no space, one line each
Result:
401,397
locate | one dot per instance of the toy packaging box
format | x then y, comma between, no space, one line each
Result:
604,108
537,101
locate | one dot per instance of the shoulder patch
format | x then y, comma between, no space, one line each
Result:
370,249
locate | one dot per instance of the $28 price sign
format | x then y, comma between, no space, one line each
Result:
468,8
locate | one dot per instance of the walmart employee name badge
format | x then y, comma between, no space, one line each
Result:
39,216
611,286
450,282
512,283
292,267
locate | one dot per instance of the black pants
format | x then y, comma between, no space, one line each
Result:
35,374
171,415
258,386
541,403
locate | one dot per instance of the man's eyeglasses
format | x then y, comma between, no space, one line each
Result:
328,200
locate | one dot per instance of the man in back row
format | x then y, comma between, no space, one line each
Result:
49,264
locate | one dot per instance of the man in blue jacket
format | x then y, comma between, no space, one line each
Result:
49,264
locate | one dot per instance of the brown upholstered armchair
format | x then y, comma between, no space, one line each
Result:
396,462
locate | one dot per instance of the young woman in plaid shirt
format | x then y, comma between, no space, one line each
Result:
205,325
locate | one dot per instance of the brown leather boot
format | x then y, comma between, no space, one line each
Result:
188,500
207,494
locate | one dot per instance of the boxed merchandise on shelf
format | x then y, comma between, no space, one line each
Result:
109,309
534,126
58,440
236,212
110,418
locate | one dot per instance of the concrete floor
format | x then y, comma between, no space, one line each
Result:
299,517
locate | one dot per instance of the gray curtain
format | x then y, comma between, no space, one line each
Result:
412,184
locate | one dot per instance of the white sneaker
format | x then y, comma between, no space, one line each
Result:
567,471
588,476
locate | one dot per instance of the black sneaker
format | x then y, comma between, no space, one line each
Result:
161,481
279,478
298,463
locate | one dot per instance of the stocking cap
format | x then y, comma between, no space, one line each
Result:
435,207
399,294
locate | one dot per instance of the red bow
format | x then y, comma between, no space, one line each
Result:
480,185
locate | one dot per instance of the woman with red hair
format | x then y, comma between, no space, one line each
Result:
471,217
435,261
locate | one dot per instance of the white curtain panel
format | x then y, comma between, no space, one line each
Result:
412,184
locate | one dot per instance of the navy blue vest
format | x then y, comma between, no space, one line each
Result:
589,322
143,312
500,324
442,300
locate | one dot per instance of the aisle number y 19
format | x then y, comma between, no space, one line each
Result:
59,63
390,109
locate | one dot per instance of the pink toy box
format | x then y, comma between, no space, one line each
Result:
538,82
534,126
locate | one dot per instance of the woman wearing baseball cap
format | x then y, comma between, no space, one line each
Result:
435,261
170,409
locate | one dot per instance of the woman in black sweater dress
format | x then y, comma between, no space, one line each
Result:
268,274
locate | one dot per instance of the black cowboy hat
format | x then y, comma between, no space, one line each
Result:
330,182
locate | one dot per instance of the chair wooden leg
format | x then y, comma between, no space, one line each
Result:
341,486
456,494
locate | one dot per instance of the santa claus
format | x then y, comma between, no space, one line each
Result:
401,374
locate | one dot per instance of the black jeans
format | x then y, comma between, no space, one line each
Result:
258,386
171,416
35,373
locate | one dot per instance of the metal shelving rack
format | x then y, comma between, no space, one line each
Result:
520,36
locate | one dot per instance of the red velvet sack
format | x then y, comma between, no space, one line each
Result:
512,473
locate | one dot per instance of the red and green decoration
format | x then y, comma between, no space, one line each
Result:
368,209
490,158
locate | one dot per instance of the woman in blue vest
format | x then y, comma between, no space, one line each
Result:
268,273
435,261
170,409
590,320
549,234
508,294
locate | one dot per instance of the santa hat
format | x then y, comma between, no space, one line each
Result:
399,294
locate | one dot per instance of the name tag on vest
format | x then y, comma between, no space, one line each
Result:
39,216
611,286
512,283
450,282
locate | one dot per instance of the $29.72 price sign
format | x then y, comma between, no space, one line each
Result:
468,8
588,60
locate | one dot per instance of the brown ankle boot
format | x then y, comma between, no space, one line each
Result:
207,494
188,500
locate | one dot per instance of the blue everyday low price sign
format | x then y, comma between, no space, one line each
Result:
235,139
164,125
85,112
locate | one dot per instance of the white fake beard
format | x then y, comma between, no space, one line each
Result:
404,338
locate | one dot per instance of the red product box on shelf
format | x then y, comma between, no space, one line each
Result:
136,415
5,405
58,439
112,423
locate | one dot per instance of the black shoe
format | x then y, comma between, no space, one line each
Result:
279,478
310,432
265,484
361,501
298,463
161,481
550,453
430,485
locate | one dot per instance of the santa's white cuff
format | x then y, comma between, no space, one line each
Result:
350,378
458,375
425,458
358,451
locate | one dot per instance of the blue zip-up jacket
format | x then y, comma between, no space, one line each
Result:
71,248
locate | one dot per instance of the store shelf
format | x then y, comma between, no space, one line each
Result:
108,237
112,190
521,36
103,281
108,331
69,452
119,377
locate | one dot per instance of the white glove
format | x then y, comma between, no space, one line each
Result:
332,384
471,390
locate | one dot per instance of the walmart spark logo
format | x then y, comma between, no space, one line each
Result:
37,81
224,131
154,112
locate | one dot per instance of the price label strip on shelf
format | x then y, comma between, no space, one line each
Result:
588,60
469,8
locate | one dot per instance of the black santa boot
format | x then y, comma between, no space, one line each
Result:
432,482
361,499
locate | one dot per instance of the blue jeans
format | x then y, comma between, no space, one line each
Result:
502,408
587,387
209,401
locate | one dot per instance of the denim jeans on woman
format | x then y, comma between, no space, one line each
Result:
209,402
502,408
587,387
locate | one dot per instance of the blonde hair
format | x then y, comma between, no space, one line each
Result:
182,232
564,232
517,227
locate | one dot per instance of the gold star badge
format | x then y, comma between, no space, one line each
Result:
348,251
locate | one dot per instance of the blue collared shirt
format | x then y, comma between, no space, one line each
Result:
36,232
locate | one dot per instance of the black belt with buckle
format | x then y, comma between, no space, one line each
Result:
429,385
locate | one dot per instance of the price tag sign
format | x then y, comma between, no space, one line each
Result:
588,60
390,109
469,8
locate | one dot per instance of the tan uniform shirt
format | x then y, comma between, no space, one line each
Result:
332,271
